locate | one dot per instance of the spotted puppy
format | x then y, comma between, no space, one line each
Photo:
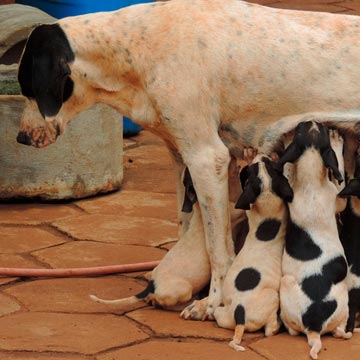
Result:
251,287
207,90
313,291
350,238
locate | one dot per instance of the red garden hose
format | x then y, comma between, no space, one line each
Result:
88,271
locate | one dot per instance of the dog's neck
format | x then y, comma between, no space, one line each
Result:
105,61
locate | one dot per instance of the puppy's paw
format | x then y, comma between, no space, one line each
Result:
249,154
235,346
198,310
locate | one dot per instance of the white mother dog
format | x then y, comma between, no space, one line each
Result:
208,76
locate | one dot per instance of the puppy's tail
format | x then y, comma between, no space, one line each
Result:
315,342
127,303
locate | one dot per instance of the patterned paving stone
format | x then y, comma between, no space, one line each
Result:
119,229
152,180
8,305
41,356
133,203
179,350
35,213
15,260
86,253
14,239
86,334
283,346
168,323
72,294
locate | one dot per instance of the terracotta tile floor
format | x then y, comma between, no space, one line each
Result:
54,318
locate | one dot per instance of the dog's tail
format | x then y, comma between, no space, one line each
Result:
127,303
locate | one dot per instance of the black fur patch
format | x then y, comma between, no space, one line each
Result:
311,134
150,289
350,238
239,315
251,185
354,307
247,279
316,287
44,73
335,270
190,197
268,229
317,313
299,244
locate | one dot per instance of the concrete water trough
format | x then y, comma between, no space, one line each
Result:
85,161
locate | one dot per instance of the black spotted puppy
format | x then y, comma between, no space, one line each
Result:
251,287
350,238
313,291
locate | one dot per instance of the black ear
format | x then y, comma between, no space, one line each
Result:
330,161
247,197
244,175
190,196
351,189
44,71
49,78
282,188
291,154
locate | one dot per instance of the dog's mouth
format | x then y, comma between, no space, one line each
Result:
39,137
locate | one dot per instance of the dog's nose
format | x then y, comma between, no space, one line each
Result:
23,138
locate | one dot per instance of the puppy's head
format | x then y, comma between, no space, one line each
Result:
259,178
47,81
308,135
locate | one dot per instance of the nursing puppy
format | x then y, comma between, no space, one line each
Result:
350,238
251,287
184,270
313,290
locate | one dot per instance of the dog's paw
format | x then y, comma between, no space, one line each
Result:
249,154
198,310
336,142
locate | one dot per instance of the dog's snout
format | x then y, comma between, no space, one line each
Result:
23,138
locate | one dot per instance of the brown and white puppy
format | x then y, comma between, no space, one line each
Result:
184,270
251,287
313,290
350,238
201,74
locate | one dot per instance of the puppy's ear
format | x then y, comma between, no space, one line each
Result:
190,196
282,188
291,154
330,161
244,175
351,189
247,197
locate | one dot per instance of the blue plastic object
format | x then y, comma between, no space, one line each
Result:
64,8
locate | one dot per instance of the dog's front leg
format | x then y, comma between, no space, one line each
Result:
208,167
